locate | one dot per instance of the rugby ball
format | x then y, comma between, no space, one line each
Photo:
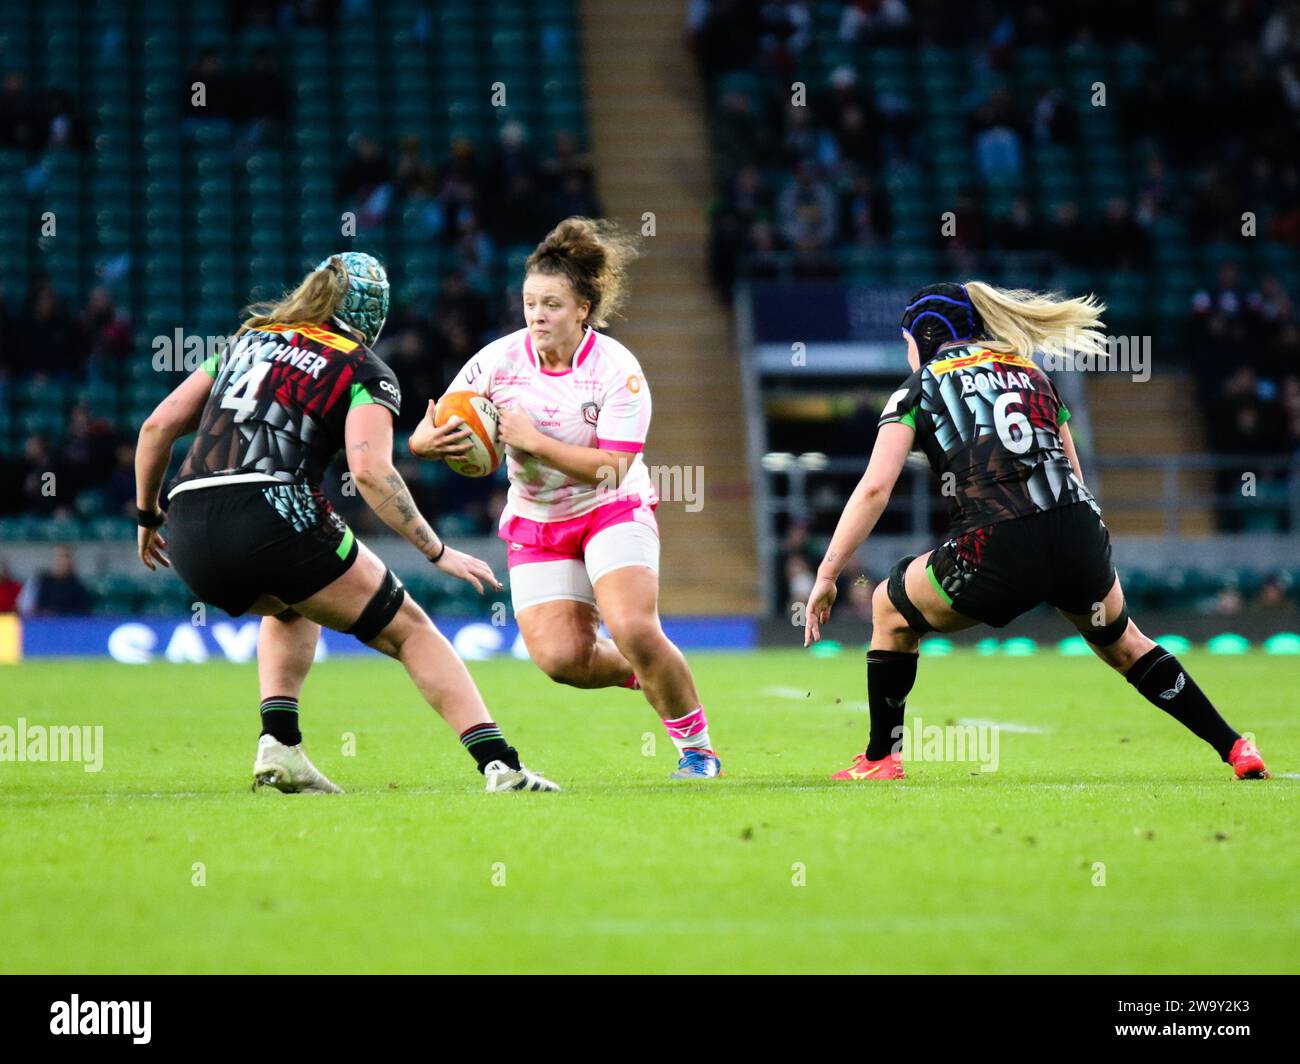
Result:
481,417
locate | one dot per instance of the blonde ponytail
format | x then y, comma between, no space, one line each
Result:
1025,322
315,300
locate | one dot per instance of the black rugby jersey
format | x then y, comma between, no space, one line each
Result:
280,398
990,420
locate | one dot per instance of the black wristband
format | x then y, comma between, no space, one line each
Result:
149,518
440,553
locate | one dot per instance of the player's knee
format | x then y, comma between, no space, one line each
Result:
388,642
880,599
884,614
563,663
408,620
640,639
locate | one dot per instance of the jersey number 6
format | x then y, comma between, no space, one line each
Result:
1012,426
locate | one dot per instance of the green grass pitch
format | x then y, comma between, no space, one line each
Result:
771,869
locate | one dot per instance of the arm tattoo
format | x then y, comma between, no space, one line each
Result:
406,508
393,480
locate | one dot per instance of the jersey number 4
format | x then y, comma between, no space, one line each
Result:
241,396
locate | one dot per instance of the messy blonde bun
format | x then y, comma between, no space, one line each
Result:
593,254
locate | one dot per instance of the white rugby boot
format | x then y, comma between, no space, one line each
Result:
501,777
287,769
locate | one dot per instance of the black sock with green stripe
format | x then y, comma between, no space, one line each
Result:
280,719
890,675
486,744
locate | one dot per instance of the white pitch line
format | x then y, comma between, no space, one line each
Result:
785,692
1027,729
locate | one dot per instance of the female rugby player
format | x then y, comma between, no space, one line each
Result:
250,531
584,544
1025,530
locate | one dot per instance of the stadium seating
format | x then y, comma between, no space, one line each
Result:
183,219
937,85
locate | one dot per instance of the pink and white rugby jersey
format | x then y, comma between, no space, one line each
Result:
601,401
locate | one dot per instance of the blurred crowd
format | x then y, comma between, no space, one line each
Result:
475,200
797,183
802,185
56,591
32,119
53,479
1245,348
471,206
42,336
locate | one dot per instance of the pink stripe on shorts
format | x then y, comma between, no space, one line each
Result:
553,541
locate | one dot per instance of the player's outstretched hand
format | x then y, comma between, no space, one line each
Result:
818,610
435,444
151,546
468,568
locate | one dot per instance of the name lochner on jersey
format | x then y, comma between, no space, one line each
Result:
75,1016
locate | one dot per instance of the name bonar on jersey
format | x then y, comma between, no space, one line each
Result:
984,382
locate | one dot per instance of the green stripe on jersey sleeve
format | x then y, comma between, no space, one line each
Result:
908,419
1063,415
360,396
210,366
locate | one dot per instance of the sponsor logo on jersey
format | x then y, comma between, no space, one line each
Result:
634,383
313,332
977,358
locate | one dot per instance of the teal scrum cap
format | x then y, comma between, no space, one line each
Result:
365,304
